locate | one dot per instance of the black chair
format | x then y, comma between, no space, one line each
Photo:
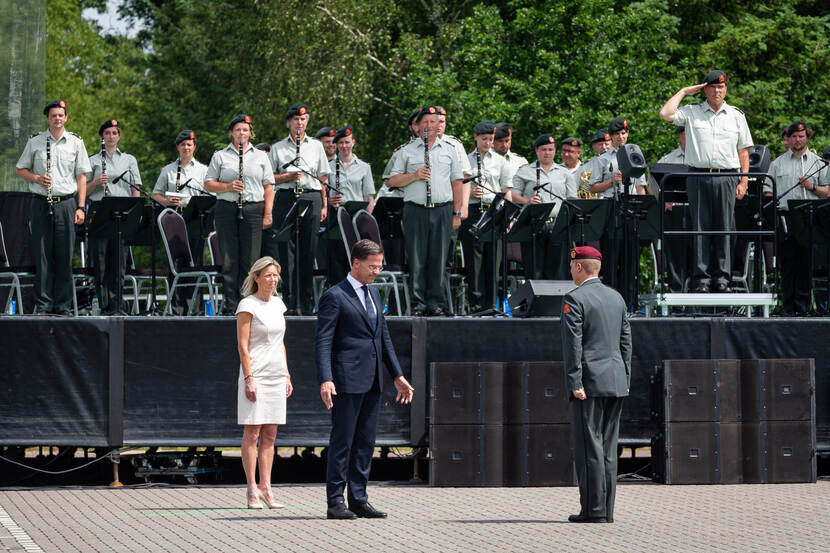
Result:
174,237
366,226
14,274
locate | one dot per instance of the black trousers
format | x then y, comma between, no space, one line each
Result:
795,270
427,231
354,423
712,207
677,248
240,242
53,242
109,276
478,261
289,253
596,427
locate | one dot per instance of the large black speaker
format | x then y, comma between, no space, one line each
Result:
539,298
697,390
777,452
759,158
466,455
778,389
467,393
698,453
631,161
538,455
534,393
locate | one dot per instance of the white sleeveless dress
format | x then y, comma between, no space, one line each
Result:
268,363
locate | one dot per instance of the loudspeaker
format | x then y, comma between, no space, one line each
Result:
534,393
631,161
539,298
467,393
777,452
759,159
698,453
778,389
538,455
466,455
697,390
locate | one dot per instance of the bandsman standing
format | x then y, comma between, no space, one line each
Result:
571,150
609,178
503,139
326,137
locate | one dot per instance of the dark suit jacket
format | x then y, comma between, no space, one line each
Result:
346,350
596,340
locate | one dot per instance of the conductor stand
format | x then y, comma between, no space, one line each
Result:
291,229
153,308
116,218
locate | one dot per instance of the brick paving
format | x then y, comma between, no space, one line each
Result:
649,517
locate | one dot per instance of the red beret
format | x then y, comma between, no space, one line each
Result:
585,252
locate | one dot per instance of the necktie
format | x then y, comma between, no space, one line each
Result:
373,318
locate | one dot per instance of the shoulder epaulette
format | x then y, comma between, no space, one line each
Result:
34,135
76,135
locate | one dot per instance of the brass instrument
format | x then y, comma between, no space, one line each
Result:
49,199
426,164
239,214
584,192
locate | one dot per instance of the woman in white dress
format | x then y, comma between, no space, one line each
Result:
264,382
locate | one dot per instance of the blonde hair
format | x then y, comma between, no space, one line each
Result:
250,286
251,127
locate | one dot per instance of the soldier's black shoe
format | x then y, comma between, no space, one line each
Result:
583,518
721,288
702,289
436,312
365,510
340,512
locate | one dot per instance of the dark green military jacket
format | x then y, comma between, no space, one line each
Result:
596,340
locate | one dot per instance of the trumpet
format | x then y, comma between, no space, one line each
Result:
584,191
49,199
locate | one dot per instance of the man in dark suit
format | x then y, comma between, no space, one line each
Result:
596,346
351,342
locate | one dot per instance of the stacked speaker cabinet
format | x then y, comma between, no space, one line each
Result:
731,421
499,424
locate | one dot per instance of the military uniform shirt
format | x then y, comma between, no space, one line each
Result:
787,169
256,172
193,170
575,170
68,159
462,154
713,139
355,179
312,159
514,162
591,166
605,166
495,175
120,163
445,167
560,181
391,162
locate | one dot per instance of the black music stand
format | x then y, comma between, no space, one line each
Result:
198,218
529,224
675,183
810,229
116,218
388,212
640,221
290,229
590,216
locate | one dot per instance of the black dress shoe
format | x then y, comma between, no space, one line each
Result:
722,288
418,312
340,512
365,510
583,518
702,289
436,312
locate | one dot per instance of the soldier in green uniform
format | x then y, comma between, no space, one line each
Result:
571,150
502,141
103,252
717,140
600,143
55,164
608,178
435,202
326,137
596,347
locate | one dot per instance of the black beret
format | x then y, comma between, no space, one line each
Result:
796,126
572,141
617,124
185,135
715,76
324,131
108,124
826,153
784,134
54,104
441,110
502,131
343,133
679,130
600,136
264,146
543,140
412,116
426,110
484,127
296,109
241,118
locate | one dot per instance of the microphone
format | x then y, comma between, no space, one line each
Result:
119,177
292,162
468,179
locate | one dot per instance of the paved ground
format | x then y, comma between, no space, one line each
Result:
650,517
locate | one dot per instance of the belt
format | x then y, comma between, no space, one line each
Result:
56,199
429,206
243,202
299,190
712,170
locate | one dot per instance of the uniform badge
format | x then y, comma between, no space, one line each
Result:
331,132
550,139
248,119
192,135
348,132
573,254
62,104
566,308
303,111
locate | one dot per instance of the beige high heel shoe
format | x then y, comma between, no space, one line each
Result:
253,499
270,504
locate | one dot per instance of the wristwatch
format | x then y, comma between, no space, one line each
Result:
457,214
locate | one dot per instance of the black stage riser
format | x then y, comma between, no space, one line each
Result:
150,381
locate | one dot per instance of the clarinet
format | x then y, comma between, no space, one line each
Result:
478,171
337,173
426,164
297,160
49,199
538,170
178,180
239,214
104,164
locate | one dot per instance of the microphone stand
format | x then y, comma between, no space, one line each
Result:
153,309
580,213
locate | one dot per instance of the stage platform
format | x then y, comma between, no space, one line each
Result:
140,381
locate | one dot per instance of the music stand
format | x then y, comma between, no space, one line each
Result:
529,224
116,217
199,209
591,216
674,186
804,221
289,229
640,221
388,212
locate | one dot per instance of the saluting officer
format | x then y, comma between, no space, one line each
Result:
103,252
55,164
299,173
435,202
493,174
555,183
596,348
